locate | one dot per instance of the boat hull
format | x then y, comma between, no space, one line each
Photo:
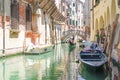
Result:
93,60
93,68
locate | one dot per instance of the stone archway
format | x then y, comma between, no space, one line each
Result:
101,30
96,30
113,10
101,23
105,21
96,25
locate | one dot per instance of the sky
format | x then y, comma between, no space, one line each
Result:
83,0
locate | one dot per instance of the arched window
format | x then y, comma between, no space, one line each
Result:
28,17
119,3
97,1
14,14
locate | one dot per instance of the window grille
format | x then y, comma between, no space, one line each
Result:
14,15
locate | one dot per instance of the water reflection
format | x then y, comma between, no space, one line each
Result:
48,66
88,74
56,65
114,70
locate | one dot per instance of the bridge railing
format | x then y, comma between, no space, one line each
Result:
74,32
67,34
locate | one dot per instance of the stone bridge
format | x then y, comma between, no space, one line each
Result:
67,34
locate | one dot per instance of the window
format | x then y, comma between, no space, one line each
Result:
119,3
63,0
73,4
14,14
76,23
84,22
28,17
68,14
97,1
1,7
63,8
67,22
70,22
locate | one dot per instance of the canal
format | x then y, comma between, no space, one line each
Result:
59,64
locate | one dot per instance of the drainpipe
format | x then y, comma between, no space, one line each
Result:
55,35
92,13
45,29
4,18
53,38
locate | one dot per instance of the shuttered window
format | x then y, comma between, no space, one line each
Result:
14,15
28,17
1,7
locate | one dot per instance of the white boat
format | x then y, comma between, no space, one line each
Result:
31,50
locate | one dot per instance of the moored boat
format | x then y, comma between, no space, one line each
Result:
93,46
93,59
72,41
38,50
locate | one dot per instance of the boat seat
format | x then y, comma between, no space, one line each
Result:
92,59
91,56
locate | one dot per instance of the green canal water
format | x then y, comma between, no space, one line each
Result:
58,64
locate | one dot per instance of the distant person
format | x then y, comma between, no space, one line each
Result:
93,46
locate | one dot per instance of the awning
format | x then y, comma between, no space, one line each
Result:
52,10
61,17
59,22
50,7
58,16
54,13
43,3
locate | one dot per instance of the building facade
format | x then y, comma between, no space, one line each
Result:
86,17
103,14
86,13
105,25
80,6
25,22
74,13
